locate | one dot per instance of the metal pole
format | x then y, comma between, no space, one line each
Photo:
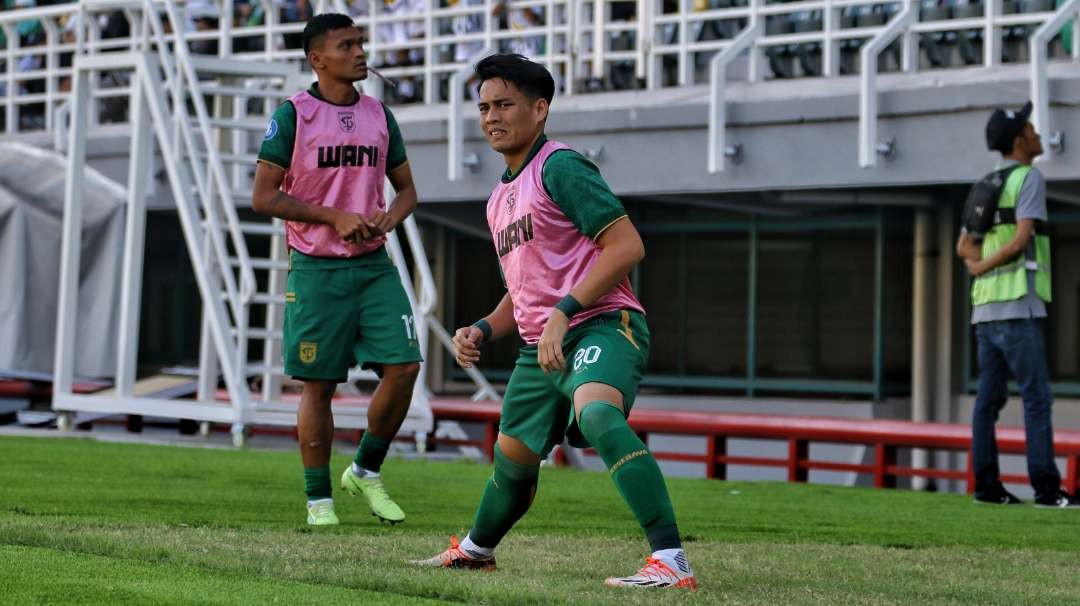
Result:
275,316
943,394
751,308
923,360
879,306
135,233
71,238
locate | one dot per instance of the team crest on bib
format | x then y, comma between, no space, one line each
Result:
511,201
308,351
346,121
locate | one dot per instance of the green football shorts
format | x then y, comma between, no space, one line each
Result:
538,408
342,312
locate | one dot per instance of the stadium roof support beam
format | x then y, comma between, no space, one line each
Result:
718,85
1040,79
868,93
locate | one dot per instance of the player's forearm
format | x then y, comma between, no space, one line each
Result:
287,208
501,319
403,205
614,264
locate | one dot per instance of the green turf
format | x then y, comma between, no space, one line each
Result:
90,522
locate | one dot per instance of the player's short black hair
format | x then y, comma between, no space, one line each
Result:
528,76
319,25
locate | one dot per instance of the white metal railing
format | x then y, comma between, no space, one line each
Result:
617,42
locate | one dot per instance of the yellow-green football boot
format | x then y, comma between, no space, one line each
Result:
321,513
382,506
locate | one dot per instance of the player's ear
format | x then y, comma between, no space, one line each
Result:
541,109
314,59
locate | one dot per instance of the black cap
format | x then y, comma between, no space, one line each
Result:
1004,126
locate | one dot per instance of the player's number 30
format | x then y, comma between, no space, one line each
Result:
587,355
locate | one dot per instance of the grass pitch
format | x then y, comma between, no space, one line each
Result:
90,522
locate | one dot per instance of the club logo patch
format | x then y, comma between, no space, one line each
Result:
346,121
308,351
511,201
271,130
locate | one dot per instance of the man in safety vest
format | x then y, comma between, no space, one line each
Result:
1009,293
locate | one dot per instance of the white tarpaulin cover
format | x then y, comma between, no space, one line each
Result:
31,216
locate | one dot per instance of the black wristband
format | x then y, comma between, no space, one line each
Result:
569,306
484,327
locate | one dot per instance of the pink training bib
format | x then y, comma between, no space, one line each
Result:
542,254
339,161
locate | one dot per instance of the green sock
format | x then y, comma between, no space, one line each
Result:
634,471
317,482
371,452
506,498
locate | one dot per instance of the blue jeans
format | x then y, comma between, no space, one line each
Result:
1015,346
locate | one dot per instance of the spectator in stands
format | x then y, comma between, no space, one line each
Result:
403,32
248,13
31,33
294,11
1011,270
622,72
521,19
464,52
202,16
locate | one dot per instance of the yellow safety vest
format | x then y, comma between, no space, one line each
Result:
1009,282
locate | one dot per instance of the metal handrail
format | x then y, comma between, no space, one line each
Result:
717,84
1040,82
248,287
868,101
455,121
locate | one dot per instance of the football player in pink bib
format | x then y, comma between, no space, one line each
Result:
566,247
323,161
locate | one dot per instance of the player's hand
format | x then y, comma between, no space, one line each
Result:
381,223
549,348
347,225
351,227
467,345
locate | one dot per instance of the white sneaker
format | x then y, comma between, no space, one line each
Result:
659,574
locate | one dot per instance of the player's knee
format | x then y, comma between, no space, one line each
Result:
517,470
515,450
402,373
321,391
598,419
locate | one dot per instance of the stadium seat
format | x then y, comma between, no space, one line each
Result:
1021,33
860,17
780,57
809,54
969,41
936,46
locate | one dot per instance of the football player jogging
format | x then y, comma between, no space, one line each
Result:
565,246
321,168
